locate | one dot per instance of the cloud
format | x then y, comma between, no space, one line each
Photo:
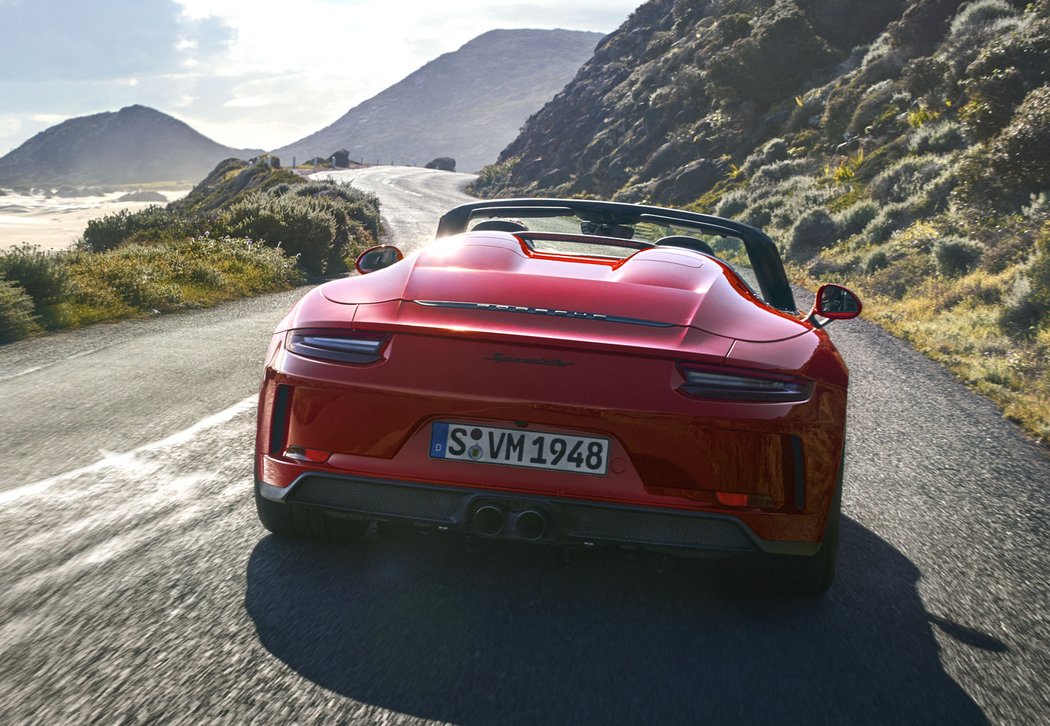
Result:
57,40
243,72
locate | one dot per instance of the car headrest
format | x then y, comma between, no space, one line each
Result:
689,243
499,225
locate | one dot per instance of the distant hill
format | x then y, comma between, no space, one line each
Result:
467,105
134,145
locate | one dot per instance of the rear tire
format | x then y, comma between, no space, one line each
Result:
287,520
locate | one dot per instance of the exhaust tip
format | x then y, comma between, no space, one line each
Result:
489,520
531,525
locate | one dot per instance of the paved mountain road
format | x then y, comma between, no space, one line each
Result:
137,585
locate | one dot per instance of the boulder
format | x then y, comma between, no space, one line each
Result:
444,163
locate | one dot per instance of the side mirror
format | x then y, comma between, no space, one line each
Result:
376,258
834,302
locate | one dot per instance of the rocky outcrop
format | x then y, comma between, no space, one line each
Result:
444,163
683,89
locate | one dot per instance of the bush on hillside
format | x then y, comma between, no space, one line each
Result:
875,108
876,261
779,171
1028,306
769,152
152,224
41,274
1023,148
814,231
979,14
16,313
853,219
924,76
956,256
891,218
779,54
1016,164
939,137
732,204
906,178
175,275
300,226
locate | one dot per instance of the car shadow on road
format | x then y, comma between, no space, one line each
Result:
496,634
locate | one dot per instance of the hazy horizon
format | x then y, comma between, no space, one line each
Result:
245,74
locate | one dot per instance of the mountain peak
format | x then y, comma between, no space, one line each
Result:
475,99
133,145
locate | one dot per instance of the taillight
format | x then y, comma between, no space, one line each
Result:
733,384
337,347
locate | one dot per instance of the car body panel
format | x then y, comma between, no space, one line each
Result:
480,329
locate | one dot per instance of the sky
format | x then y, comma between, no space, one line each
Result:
246,73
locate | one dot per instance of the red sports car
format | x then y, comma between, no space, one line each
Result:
564,371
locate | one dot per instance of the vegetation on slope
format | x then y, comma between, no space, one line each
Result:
905,151
244,230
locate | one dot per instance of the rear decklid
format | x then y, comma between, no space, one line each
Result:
492,281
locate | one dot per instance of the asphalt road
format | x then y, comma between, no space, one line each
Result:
136,584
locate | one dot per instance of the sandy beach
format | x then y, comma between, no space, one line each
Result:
56,223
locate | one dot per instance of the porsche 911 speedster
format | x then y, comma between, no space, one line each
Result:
567,372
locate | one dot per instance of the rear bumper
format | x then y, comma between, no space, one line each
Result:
565,520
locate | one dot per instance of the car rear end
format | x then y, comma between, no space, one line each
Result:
512,424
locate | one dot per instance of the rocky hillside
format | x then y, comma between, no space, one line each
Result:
901,146
134,145
682,95
466,105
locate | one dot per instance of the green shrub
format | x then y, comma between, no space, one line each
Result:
876,261
992,98
300,226
170,276
901,277
956,256
781,52
856,217
906,178
924,75
1023,148
1028,305
875,108
810,234
890,219
152,224
733,26
937,137
980,13
823,267
43,275
16,313
936,194
1016,164
771,151
779,171
758,216
732,204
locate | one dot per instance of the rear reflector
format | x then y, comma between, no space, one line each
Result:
731,499
736,499
314,456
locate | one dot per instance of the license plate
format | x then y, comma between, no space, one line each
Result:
517,447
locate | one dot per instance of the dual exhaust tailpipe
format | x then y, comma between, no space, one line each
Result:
491,521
